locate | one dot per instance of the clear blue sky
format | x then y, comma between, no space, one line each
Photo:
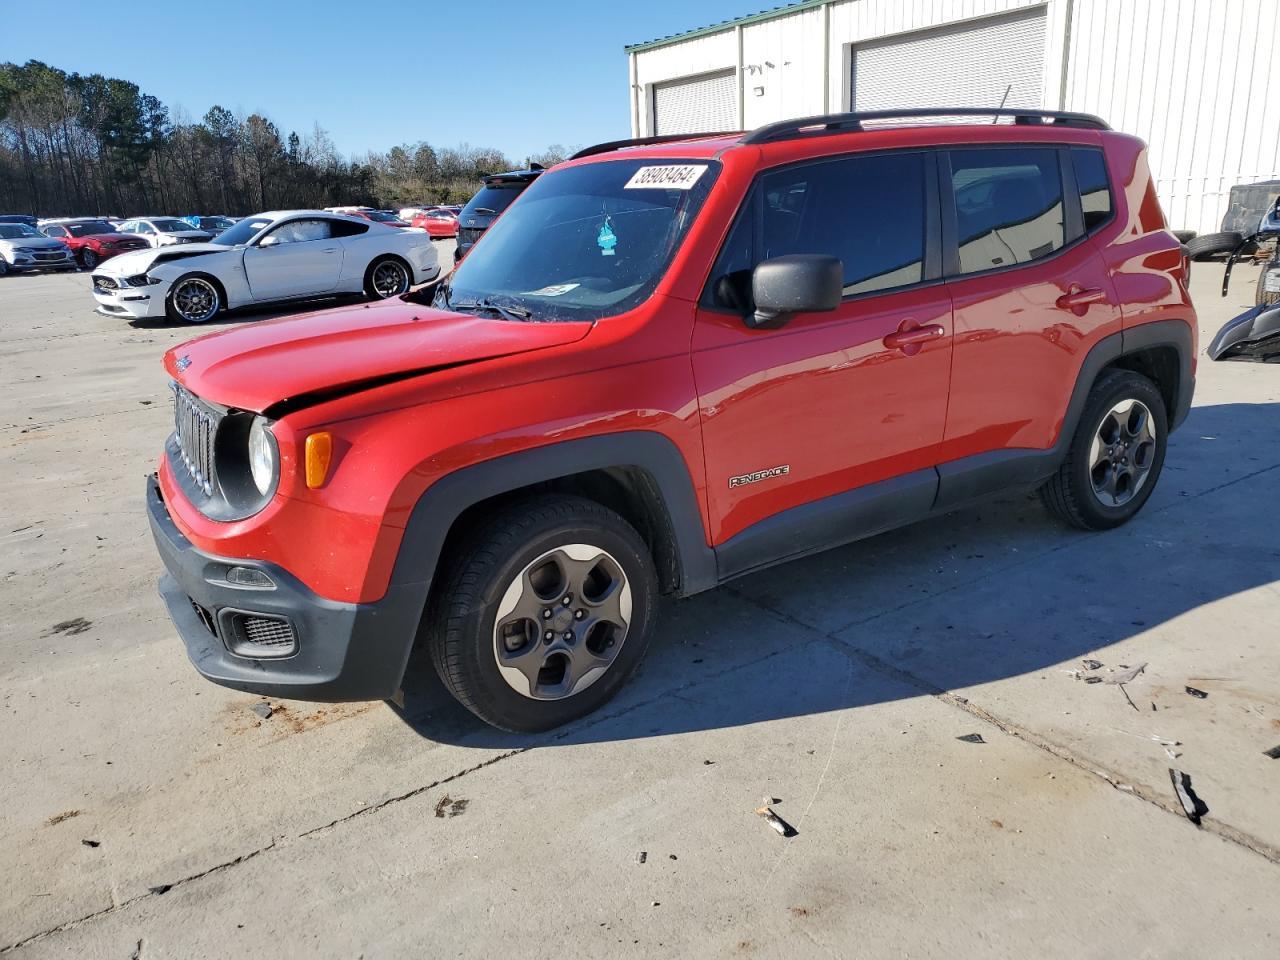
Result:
517,76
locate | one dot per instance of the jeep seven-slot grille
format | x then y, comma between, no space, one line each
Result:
195,427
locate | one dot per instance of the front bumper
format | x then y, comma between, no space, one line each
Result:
344,651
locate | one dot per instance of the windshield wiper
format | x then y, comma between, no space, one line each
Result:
510,312
485,211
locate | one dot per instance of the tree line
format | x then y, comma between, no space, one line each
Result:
84,144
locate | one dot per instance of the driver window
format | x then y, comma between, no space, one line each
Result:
301,231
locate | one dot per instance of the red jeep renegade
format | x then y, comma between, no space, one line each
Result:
671,363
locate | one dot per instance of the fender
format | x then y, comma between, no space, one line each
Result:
653,453
974,478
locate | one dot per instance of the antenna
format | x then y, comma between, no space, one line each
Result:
1007,91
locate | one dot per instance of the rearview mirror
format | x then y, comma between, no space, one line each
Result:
796,283
269,241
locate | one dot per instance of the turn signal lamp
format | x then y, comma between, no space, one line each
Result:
319,451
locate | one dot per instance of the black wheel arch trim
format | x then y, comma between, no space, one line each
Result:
441,504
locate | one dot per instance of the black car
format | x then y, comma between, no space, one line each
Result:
495,196
17,218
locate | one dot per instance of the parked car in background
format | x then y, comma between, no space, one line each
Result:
369,213
274,256
91,240
211,225
498,193
24,248
439,223
164,231
17,218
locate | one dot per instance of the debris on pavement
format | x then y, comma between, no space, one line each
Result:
262,709
783,828
642,856
92,843
1092,664
1198,694
59,817
162,889
971,738
1192,805
1128,676
1273,753
1171,753
446,806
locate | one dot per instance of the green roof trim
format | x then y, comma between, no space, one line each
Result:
770,14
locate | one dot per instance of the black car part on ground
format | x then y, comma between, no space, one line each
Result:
1253,335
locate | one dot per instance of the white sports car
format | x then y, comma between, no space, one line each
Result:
281,255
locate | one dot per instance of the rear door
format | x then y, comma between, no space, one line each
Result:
1031,295
833,401
304,260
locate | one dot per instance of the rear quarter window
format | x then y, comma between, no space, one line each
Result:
1095,189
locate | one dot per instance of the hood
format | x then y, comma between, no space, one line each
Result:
293,358
110,238
140,261
35,243
193,234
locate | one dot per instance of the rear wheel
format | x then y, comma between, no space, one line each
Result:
547,614
387,277
1115,457
193,299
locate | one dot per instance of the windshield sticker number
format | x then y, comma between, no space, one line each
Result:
680,176
606,240
555,290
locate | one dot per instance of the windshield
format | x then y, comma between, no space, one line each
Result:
214,223
170,226
584,242
382,216
88,228
16,231
241,232
493,198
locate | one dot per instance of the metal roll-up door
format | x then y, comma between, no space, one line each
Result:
702,104
963,65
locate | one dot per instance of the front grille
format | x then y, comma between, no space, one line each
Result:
55,255
105,283
195,427
260,636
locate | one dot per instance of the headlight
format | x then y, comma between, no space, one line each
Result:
262,456
140,280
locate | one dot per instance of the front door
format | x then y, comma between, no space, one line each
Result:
851,400
303,259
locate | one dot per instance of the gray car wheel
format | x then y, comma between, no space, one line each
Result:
193,299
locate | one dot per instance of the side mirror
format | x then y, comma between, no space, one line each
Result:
271,240
796,283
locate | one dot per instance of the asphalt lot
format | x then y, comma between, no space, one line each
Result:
146,812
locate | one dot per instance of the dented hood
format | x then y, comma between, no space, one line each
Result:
319,354
140,261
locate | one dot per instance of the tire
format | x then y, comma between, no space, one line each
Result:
88,259
1074,494
1263,295
4,266
185,295
1209,244
378,283
1185,236
493,572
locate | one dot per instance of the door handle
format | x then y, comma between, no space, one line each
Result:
1077,299
329,250
910,336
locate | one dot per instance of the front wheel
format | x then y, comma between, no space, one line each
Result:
1115,457
547,614
387,277
193,299
1268,285
88,259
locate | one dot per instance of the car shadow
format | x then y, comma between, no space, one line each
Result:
984,594
233,318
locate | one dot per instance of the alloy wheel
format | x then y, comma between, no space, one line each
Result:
1122,453
195,300
390,279
561,622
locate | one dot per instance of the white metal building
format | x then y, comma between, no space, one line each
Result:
1180,74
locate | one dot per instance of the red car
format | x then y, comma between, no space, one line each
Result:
668,366
439,222
92,241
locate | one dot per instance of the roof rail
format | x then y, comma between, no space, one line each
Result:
838,122
611,145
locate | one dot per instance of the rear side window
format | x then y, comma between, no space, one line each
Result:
344,228
1008,204
1095,191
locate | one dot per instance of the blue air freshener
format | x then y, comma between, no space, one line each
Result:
606,240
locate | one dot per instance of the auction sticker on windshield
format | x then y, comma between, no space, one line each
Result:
680,176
